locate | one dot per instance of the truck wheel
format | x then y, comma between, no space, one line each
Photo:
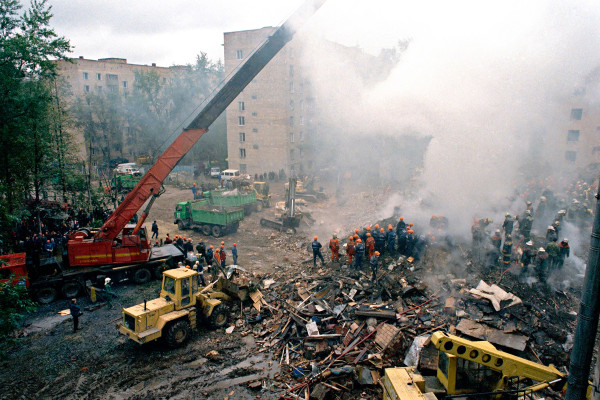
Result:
158,271
258,206
46,295
181,225
178,333
219,316
70,289
142,275
216,231
206,230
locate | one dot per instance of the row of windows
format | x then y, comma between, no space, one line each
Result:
112,88
242,136
242,120
292,152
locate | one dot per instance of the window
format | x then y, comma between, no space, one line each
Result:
291,87
255,130
291,104
255,146
254,114
164,80
113,88
242,168
301,136
301,120
570,155
242,153
239,54
576,114
99,88
291,71
241,106
86,88
125,84
241,121
254,97
292,154
242,136
85,76
291,137
291,121
112,77
99,77
573,136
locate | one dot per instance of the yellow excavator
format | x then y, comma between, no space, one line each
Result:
468,367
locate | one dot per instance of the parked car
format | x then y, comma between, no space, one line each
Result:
214,172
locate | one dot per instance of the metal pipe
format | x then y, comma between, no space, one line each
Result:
587,319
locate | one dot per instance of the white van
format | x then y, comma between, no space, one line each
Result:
128,169
229,173
214,172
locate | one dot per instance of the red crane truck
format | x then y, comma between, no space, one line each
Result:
123,250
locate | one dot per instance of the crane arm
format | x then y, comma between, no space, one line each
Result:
150,184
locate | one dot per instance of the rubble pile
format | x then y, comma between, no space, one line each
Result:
332,331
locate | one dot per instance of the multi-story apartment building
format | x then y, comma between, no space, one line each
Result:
269,122
581,137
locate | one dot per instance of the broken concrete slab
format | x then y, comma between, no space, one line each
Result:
492,335
496,295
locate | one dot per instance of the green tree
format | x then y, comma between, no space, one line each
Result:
14,304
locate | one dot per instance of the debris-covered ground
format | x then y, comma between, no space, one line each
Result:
326,331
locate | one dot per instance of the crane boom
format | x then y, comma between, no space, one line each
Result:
81,251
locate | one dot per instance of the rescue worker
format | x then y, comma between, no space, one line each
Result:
542,208
553,251
154,230
507,251
350,249
541,264
179,241
359,251
401,226
433,222
551,234
525,225
508,224
194,190
370,245
234,253
529,205
391,239
402,236
410,242
363,234
189,246
556,226
527,257
75,313
209,256
108,291
334,247
201,248
380,241
199,268
497,239
316,249
168,239
374,260
564,252
156,244
223,256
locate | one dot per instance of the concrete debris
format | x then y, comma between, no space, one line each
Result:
500,299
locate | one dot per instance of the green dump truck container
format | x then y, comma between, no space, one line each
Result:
234,198
124,183
207,218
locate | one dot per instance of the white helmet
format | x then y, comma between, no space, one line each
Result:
551,228
106,281
530,243
541,249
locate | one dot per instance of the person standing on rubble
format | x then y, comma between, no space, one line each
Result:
363,233
168,239
350,249
374,261
508,224
201,249
217,257
400,226
541,264
154,230
402,236
391,239
380,241
234,253
525,225
553,251
507,251
410,243
209,256
527,257
334,247
565,252
195,191
223,256
370,245
359,250
497,239
316,249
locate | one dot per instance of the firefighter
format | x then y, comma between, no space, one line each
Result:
402,236
316,249
410,242
507,251
497,239
527,257
374,260
564,252
391,239
551,235
350,249
370,244
508,224
401,226
359,252
334,246
541,264
525,225
553,250
380,241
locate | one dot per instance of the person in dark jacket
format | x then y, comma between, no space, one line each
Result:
391,240
541,264
564,252
209,256
75,313
508,224
154,230
359,253
234,253
201,248
316,248
374,262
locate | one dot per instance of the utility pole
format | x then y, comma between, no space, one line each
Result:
587,319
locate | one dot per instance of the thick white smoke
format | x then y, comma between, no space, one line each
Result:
490,83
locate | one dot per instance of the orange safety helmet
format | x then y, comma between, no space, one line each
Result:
376,226
381,230
351,238
355,236
222,246
359,241
401,218
210,247
356,231
410,231
377,253
315,238
222,242
368,235
410,224
194,183
390,227
368,227
235,244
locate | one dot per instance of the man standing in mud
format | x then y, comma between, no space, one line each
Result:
75,313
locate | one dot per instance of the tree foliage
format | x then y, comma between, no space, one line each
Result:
36,148
14,304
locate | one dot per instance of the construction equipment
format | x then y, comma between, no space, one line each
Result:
287,216
263,198
209,219
405,384
174,315
245,199
305,190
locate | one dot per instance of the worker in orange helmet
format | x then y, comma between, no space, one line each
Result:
355,238
334,247
217,257
370,244
359,252
179,241
410,243
374,262
195,191
209,256
401,226
223,256
376,226
391,239
379,236
316,248
350,249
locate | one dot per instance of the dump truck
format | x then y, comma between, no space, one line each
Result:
176,312
233,198
120,248
246,184
124,183
207,218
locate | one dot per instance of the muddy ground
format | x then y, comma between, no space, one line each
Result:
49,361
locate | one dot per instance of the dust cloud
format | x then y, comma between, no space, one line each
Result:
472,95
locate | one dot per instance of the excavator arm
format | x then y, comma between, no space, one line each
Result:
150,184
